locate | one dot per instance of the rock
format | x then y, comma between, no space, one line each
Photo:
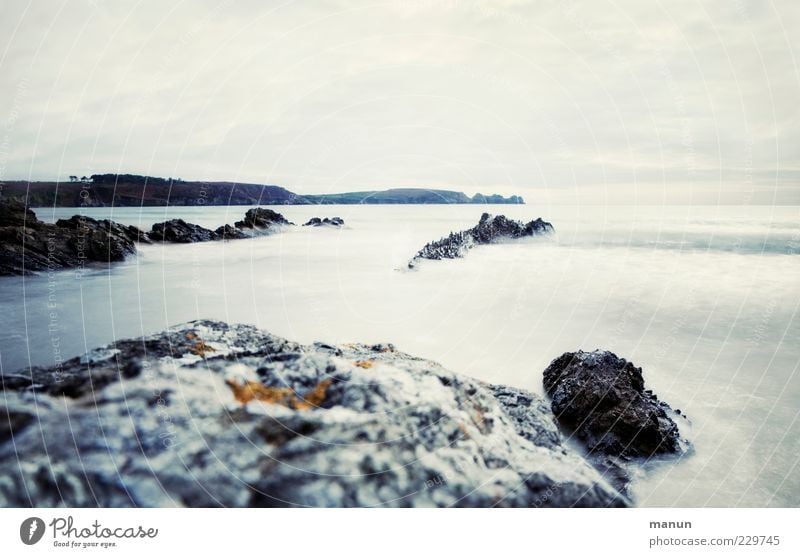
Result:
261,219
210,414
37,246
178,231
488,231
228,232
130,232
316,221
601,398
15,213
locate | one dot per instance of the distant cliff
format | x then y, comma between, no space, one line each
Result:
131,190
410,195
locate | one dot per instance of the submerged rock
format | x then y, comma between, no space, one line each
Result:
489,229
316,221
207,414
261,219
601,398
30,245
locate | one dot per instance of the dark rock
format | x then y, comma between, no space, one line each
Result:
316,221
601,398
15,213
261,219
13,421
488,231
37,246
130,232
209,414
178,231
228,232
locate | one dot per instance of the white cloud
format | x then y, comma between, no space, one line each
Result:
514,97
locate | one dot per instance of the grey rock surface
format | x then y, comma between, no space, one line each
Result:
210,414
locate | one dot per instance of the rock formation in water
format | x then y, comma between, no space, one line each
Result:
261,219
601,399
489,230
334,221
178,231
29,245
208,414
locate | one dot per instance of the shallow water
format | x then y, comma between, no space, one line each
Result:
705,299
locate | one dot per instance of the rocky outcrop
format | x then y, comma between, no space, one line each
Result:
601,398
28,245
316,221
207,414
178,231
490,229
228,232
260,219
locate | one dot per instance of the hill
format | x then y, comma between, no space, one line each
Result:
132,190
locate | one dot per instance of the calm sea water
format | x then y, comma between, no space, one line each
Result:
705,299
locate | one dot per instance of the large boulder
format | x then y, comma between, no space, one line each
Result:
490,229
601,398
28,245
207,414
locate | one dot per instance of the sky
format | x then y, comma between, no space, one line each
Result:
627,101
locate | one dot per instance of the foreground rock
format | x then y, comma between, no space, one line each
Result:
207,414
601,398
28,245
490,229
316,221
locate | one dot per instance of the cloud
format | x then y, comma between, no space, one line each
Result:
517,97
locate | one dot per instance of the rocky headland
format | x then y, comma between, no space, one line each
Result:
490,229
211,414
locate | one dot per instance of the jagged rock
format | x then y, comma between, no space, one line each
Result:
261,219
130,232
601,398
29,245
207,414
178,231
228,232
488,230
316,221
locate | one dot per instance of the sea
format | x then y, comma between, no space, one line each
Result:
704,298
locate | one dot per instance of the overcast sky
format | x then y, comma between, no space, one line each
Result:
671,101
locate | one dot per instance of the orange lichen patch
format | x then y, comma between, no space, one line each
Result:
366,364
190,335
253,390
463,429
200,348
479,419
313,398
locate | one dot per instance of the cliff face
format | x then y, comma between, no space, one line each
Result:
210,414
135,191
131,190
